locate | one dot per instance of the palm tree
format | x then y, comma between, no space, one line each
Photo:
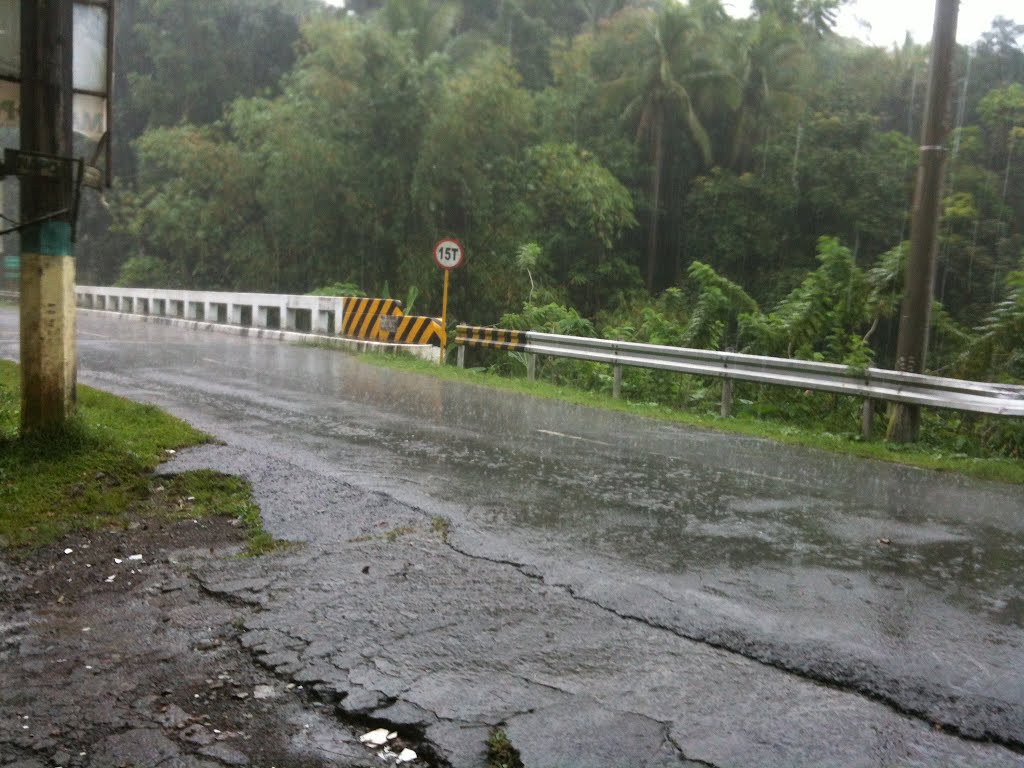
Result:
819,16
768,56
667,85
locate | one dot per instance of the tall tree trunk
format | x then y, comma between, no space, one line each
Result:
656,172
915,314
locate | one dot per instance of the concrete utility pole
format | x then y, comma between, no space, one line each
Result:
915,313
48,358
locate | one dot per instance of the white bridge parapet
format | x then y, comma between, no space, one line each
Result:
309,314
267,315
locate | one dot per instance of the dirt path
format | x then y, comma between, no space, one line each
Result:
113,656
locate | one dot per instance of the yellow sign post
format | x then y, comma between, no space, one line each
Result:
448,255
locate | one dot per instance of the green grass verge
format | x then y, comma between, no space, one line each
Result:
922,456
205,493
96,471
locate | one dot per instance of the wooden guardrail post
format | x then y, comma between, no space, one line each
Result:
867,418
726,398
726,410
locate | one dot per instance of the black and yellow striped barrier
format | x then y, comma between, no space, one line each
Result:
383,320
417,329
361,318
490,338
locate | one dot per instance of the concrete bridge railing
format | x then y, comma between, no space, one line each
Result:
268,315
309,314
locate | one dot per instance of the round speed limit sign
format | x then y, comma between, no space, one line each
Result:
448,253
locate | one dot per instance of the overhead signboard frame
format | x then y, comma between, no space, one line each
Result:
93,72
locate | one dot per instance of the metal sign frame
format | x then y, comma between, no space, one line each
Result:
19,162
103,144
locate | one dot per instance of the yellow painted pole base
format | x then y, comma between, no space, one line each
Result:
48,354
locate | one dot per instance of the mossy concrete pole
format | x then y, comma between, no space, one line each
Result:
48,365
915,311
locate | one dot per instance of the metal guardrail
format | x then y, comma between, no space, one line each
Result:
871,384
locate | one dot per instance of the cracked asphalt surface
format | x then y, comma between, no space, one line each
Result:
143,668
611,591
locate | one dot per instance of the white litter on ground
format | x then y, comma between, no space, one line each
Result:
379,738
375,738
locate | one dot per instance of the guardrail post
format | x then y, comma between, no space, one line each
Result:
867,418
616,381
462,356
726,398
531,366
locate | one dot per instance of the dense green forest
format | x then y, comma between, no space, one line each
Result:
657,171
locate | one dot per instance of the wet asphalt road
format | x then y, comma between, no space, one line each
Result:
614,591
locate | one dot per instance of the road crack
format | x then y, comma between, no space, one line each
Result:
898,707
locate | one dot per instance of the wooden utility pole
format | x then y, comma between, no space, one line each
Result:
48,367
915,312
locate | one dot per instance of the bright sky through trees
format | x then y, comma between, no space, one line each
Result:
884,22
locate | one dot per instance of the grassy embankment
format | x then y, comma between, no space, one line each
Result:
96,473
926,456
